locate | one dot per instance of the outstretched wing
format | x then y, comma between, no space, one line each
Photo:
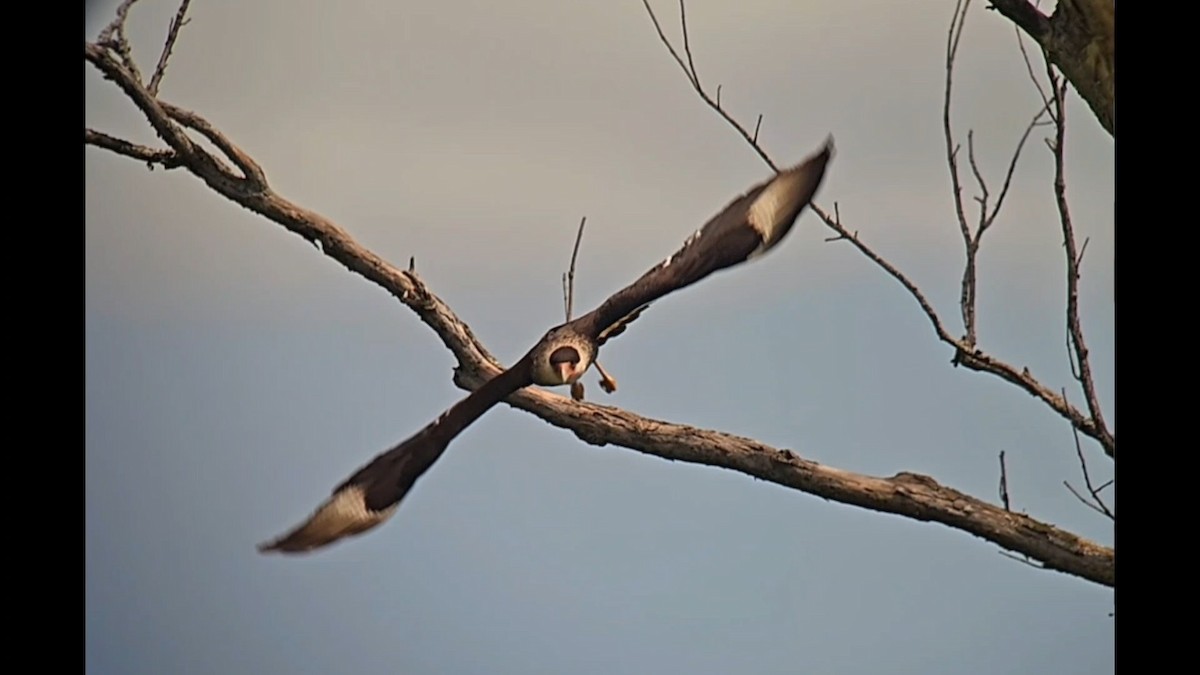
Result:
372,494
749,226
617,327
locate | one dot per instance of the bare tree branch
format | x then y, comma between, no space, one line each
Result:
1012,166
835,224
166,158
577,391
1004,483
1099,504
1029,68
906,494
966,352
966,355
172,34
1090,505
687,47
251,171
1079,39
571,269
1074,326
983,190
691,75
607,382
952,38
971,240
970,243
113,38
192,155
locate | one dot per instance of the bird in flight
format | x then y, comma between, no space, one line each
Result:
749,226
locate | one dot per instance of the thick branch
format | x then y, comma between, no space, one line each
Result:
1078,40
906,494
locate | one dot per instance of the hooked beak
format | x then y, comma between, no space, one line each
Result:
566,370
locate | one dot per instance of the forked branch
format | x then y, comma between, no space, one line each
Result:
689,70
971,238
966,352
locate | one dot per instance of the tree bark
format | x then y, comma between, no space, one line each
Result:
1078,40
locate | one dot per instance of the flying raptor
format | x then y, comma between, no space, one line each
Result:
748,227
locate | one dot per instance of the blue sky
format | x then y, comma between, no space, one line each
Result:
235,375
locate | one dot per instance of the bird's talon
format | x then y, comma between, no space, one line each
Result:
577,391
607,382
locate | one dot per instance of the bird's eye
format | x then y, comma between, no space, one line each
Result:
564,355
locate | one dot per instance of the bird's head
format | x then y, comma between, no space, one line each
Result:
562,357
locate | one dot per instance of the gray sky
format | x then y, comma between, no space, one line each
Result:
235,375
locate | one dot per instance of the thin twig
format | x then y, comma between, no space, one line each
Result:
1087,479
704,95
1012,167
113,38
566,298
971,241
670,48
983,190
967,355
913,290
117,25
1085,502
607,383
1029,69
952,38
687,48
570,298
967,293
1070,352
1004,483
1074,325
172,33
166,158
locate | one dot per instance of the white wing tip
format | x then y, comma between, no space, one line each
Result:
342,515
774,211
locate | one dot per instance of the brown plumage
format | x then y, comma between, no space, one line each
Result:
746,228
